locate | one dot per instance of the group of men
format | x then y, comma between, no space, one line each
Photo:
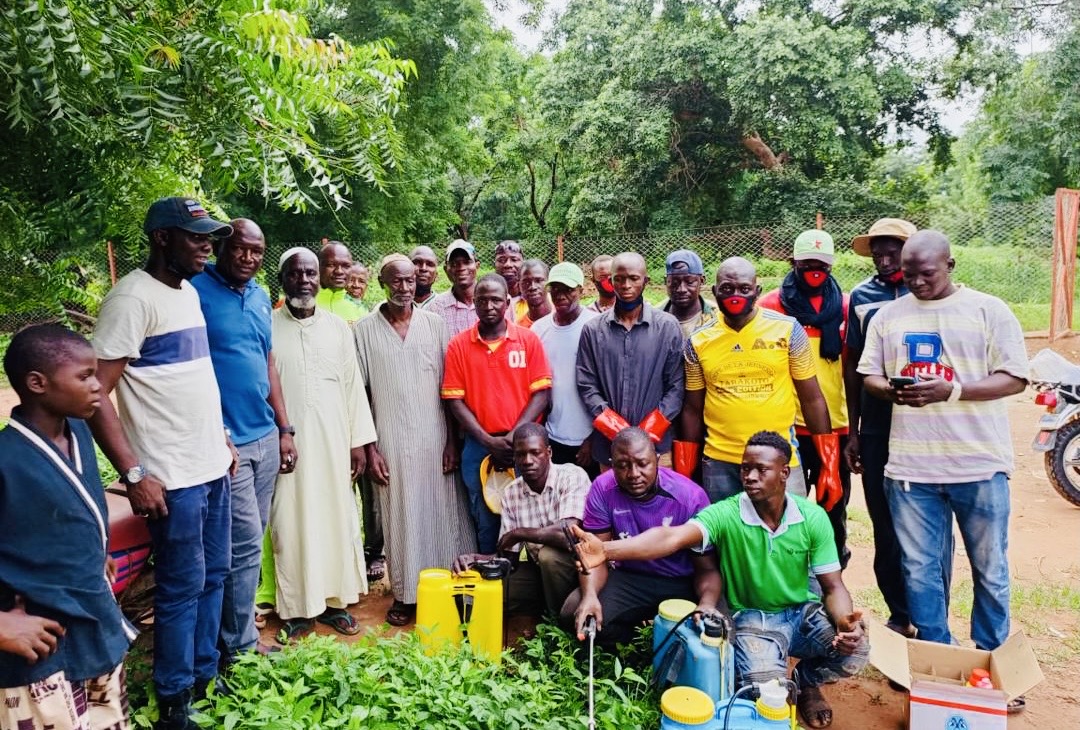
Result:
678,442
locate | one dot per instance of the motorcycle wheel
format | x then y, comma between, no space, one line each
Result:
1063,462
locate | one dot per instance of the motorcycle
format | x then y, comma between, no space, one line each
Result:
129,546
1057,385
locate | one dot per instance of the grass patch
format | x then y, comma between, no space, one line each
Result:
860,531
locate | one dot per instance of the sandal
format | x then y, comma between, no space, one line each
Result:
376,569
401,614
262,612
1016,705
296,628
340,621
814,708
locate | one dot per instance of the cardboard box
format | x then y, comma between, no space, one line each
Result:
934,675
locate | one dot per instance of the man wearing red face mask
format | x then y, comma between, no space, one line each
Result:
810,294
605,290
751,371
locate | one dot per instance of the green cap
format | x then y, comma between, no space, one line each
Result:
567,274
813,245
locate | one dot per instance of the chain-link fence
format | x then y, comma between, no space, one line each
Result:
1005,251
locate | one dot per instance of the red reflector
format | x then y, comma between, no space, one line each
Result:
1047,398
1044,436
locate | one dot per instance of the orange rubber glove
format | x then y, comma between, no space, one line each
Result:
609,423
829,490
655,425
685,456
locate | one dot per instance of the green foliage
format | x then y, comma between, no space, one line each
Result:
384,683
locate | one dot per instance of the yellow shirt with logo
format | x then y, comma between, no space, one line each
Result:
749,380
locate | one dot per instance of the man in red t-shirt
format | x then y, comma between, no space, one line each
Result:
497,378
810,294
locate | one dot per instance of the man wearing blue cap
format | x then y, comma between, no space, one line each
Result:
685,277
456,306
171,447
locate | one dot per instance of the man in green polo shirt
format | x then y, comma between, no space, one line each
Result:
765,541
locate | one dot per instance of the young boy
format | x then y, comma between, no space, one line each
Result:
62,636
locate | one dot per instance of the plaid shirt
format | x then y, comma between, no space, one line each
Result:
459,316
563,498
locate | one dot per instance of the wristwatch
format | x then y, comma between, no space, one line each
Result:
134,475
282,430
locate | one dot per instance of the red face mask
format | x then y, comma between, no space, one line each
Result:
605,287
736,306
895,277
814,278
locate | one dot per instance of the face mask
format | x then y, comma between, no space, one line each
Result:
894,278
605,287
737,306
622,306
814,278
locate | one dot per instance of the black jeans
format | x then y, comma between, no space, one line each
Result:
874,453
811,464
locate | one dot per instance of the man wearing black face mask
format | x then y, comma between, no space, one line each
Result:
810,294
629,364
747,373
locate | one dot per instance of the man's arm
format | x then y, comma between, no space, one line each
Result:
451,447
468,422
591,584
935,389
588,376
853,383
551,535
814,408
708,584
692,420
837,602
147,497
276,399
653,544
671,402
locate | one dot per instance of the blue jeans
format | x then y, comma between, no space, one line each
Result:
485,521
764,641
191,558
252,489
722,479
922,514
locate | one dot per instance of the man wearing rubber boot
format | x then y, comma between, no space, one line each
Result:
765,540
745,374
811,295
633,496
535,506
629,365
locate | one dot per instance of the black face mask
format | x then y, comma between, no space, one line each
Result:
622,306
422,290
736,305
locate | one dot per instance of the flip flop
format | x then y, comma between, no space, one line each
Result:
262,612
1016,705
401,614
814,708
340,621
296,628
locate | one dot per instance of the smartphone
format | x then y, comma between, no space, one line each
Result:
572,543
901,381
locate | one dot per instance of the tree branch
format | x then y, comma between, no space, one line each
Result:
754,144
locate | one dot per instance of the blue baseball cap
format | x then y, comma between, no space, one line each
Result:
460,244
684,261
185,213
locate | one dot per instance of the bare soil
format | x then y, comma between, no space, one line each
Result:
1044,555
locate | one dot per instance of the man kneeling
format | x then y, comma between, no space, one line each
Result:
534,507
765,539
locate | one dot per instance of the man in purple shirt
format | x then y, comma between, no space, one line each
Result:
635,495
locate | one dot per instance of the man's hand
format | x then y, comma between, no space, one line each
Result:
849,632
501,449
449,457
851,453
928,389
377,470
508,539
589,606
147,498
287,446
590,548
583,457
234,455
110,569
465,562
30,637
358,459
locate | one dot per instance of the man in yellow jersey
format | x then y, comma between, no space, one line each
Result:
750,372
811,295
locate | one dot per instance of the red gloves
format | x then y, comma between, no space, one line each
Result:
609,423
655,425
685,456
829,490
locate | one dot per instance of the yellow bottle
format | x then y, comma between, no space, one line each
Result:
451,609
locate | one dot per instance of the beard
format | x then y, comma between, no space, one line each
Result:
304,302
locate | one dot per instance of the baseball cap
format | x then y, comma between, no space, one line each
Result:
567,274
813,245
687,258
186,213
460,244
891,227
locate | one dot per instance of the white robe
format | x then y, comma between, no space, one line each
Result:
314,524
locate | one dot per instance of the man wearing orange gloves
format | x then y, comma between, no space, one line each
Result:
629,364
751,371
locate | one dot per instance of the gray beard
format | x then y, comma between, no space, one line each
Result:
301,302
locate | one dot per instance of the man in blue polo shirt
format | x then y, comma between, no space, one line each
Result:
237,313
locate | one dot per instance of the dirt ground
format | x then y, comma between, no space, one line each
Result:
1044,555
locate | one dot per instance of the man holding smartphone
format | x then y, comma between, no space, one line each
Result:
949,448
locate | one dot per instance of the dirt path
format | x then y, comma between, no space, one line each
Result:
1044,555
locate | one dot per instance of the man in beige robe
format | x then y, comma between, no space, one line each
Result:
314,524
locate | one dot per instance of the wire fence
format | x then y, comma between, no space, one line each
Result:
1004,250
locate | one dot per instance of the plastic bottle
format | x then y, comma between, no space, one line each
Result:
979,678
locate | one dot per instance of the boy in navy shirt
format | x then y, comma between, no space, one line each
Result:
62,635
